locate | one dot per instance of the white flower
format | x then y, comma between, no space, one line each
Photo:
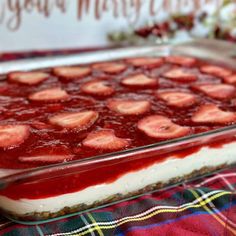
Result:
200,30
228,12
233,32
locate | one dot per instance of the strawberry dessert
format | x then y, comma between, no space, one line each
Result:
74,114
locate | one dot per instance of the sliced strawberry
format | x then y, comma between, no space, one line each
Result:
230,79
216,71
110,67
72,72
97,87
29,78
181,60
50,158
211,113
13,135
219,91
105,140
180,75
139,80
53,94
148,62
129,107
161,127
178,99
78,120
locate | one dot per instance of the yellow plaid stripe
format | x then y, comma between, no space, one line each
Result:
96,227
199,202
233,231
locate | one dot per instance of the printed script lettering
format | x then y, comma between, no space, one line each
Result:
13,11
124,8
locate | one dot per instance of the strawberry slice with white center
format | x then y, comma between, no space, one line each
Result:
177,99
75,120
230,79
52,94
161,127
216,71
72,72
139,80
97,88
110,67
129,107
211,113
48,158
180,75
13,135
28,78
218,91
181,60
148,62
105,140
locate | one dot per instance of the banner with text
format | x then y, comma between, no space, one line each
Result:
54,24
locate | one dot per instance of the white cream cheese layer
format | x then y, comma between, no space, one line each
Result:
130,182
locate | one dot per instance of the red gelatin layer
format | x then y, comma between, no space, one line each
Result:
60,120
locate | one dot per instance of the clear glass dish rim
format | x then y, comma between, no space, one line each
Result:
161,50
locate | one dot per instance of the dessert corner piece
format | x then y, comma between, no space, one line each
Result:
107,113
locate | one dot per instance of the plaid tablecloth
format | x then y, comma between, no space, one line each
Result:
203,207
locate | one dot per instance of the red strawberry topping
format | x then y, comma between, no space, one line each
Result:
211,113
13,135
218,91
230,79
161,127
181,60
110,67
50,158
148,62
216,71
53,94
178,99
29,78
79,120
72,72
180,75
105,140
129,107
97,88
139,80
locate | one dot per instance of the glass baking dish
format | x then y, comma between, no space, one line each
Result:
134,171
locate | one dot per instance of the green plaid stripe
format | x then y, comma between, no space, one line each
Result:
147,210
